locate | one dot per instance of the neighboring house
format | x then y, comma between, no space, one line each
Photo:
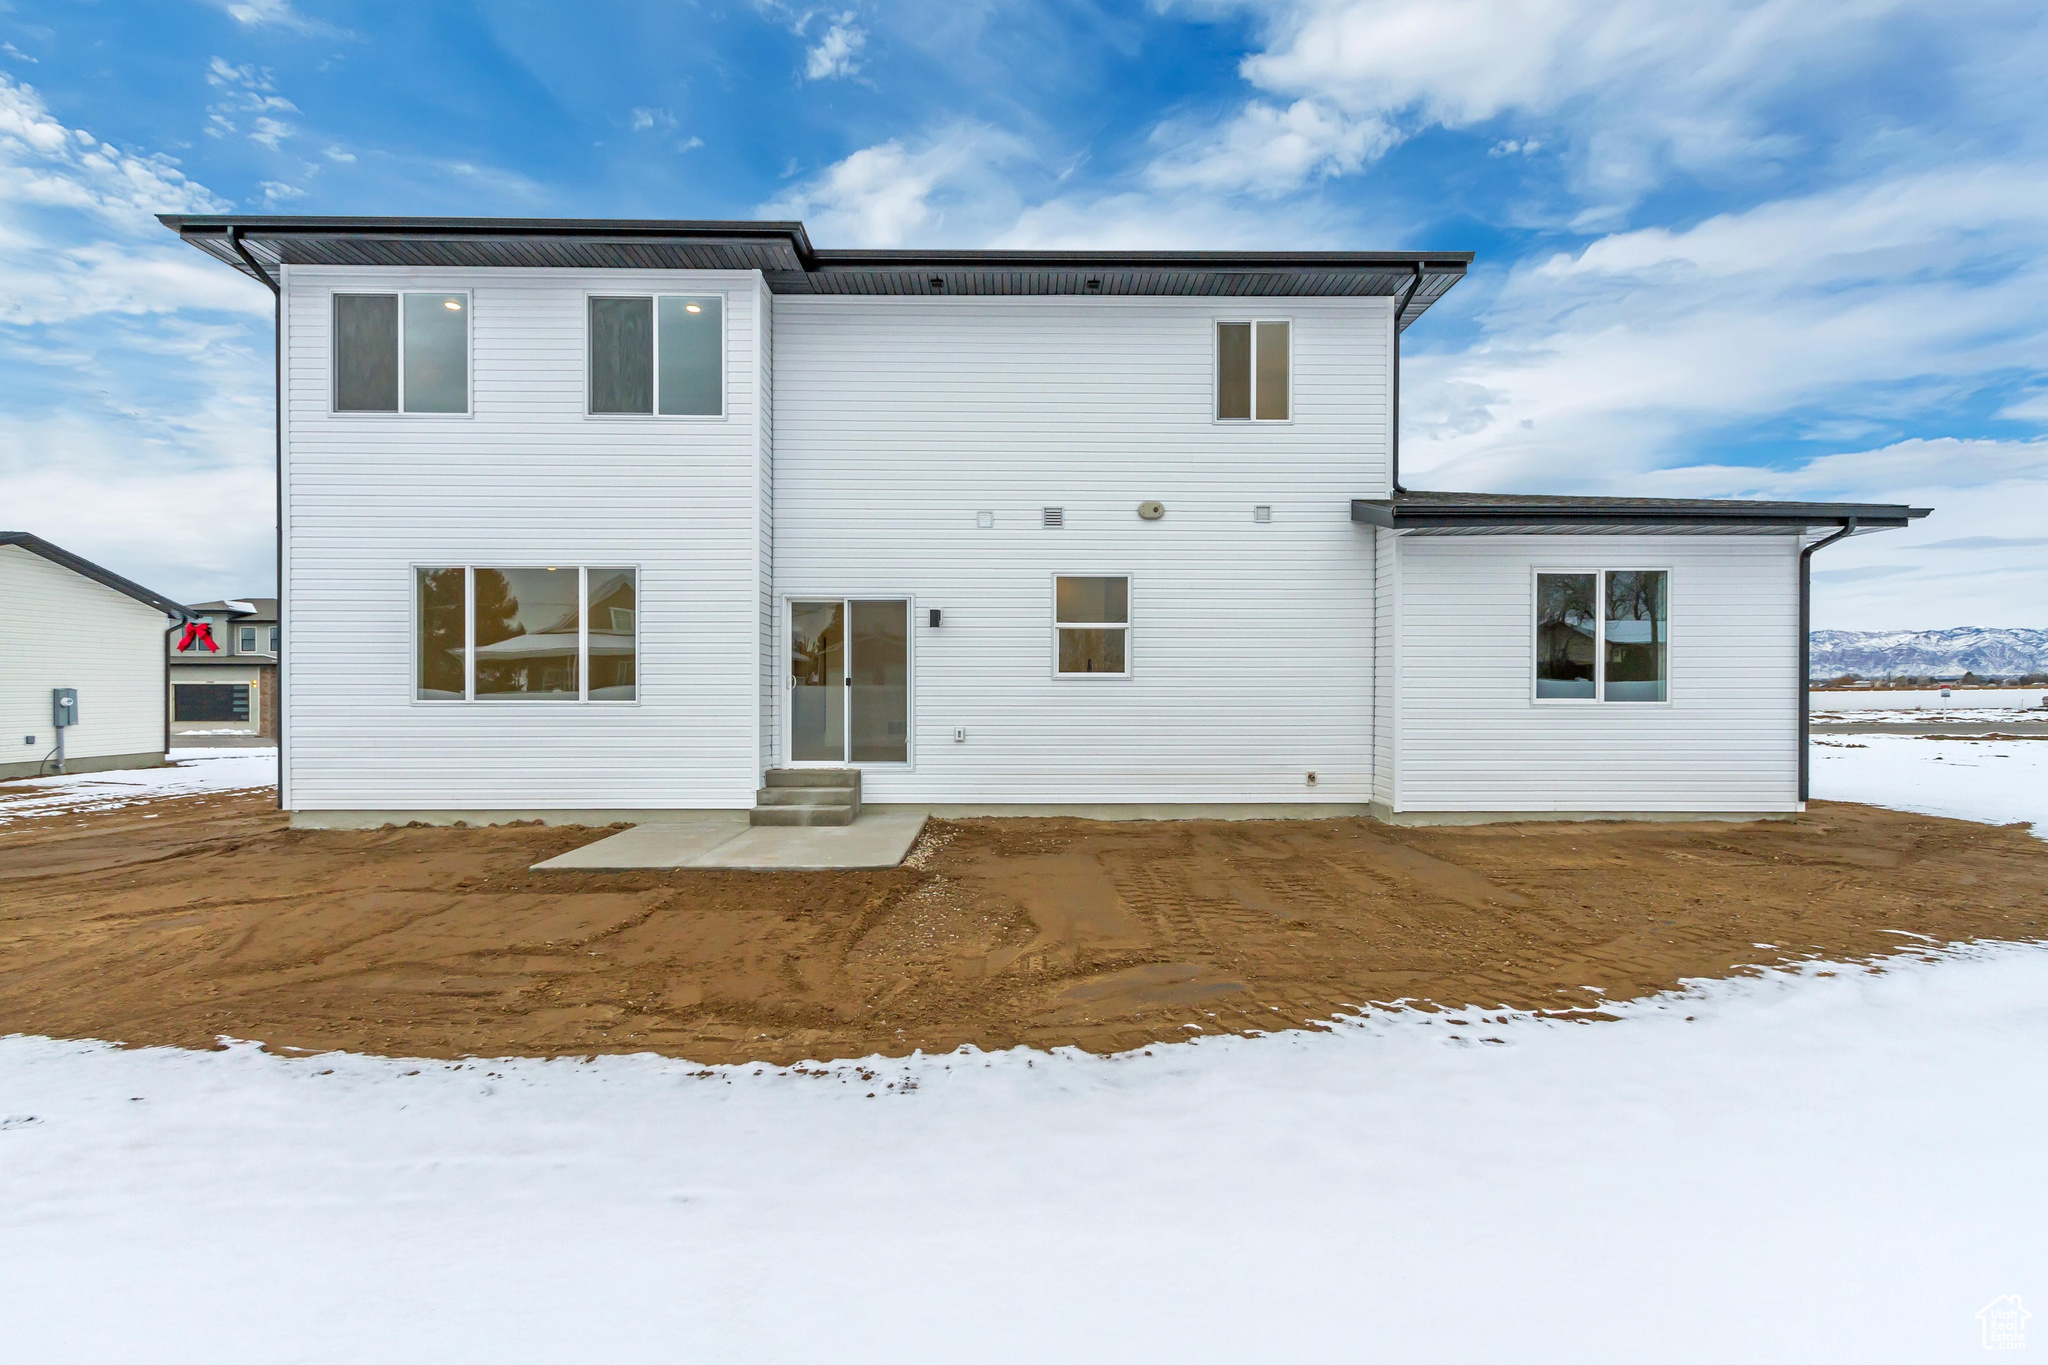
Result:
75,625
224,670
601,519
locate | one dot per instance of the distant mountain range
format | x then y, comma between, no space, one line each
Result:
1929,653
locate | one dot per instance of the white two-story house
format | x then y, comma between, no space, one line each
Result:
598,520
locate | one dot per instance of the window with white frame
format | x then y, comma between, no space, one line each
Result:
525,633
401,352
1253,371
657,355
247,643
1091,627
273,639
1603,635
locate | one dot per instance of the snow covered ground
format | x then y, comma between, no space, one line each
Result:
1822,1164
191,772
1996,781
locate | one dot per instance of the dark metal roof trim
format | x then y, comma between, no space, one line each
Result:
1521,514
57,555
783,253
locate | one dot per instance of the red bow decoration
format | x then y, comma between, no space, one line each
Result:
198,632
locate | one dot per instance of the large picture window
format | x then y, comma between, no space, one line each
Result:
1253,361
657,355
1091,627
1603,635
401,353
527,633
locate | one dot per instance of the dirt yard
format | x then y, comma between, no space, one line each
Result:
183,920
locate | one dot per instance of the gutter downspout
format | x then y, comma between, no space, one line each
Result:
277,477
1394,431
1806,642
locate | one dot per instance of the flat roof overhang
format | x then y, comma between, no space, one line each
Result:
1468,514
783,253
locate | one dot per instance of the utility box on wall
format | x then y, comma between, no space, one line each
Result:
63,706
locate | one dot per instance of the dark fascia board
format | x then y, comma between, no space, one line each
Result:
1448,512
85,568
216,235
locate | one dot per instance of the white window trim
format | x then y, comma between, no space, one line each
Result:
784,647
1599,697
1216,374
468,359
724,413
1125,625
255,634
582,697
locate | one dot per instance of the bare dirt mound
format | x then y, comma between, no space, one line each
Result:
183,920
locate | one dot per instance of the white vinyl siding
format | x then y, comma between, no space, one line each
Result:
1472,737
899,420
1386,598
69,631
528,476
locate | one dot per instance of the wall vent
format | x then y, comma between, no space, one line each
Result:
1055,516
1262,514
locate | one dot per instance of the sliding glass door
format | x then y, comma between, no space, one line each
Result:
849,681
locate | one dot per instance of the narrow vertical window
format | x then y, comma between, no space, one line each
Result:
692,355
1637,635
436,353
247,644
614,634
1091,626
442,637
622,355
273,639
366,353
1271,352
1234,371
1567,634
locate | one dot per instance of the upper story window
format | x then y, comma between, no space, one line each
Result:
657,355
247,643
273,639
1254,372
1603,635
401,353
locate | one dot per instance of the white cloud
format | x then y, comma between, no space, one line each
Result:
278,14
247,90
11,50
275,192
346,158
1269,150
838,52
956,184
645,118
1874,300
1633,88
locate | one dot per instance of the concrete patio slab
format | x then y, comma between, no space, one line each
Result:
874,840
668,843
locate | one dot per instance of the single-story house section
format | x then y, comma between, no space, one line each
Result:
224,676
599,520
87,630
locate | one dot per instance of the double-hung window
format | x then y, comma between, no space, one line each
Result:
1603,635
1091,627
401,352
247,643
657,355
529,633
1253,370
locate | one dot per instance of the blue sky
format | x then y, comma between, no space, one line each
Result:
1784,248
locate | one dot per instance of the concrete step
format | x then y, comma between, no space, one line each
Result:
802,815
807,796
846,778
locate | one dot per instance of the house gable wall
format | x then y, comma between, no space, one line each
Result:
69,631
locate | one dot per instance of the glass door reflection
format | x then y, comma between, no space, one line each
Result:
849,681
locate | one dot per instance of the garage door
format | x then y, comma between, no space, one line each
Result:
210,701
